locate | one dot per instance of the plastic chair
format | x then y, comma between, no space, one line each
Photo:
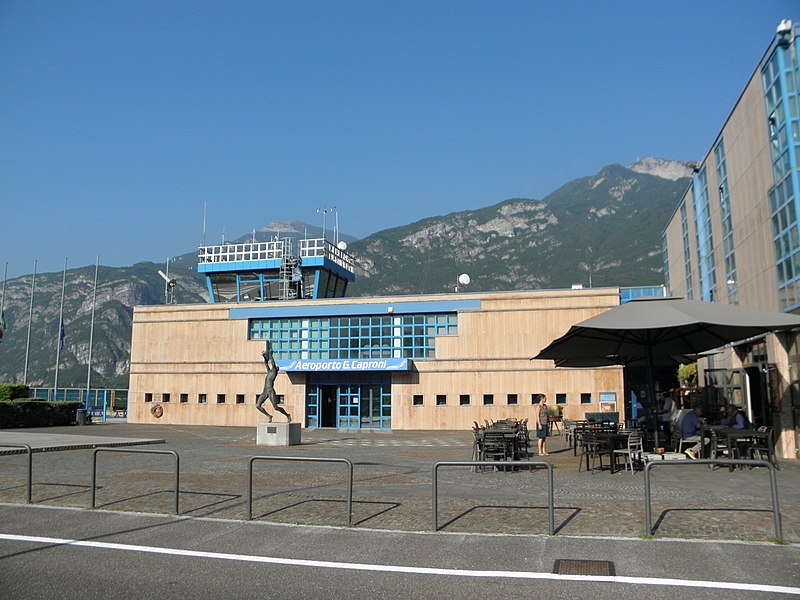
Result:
633,450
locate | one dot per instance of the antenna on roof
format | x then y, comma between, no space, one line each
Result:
205,206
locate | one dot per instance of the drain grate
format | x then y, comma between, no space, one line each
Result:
584,567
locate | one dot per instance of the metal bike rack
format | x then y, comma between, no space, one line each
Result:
776,513
302,459
495,463
134,451
29,450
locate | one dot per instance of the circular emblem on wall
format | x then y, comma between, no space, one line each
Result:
157,410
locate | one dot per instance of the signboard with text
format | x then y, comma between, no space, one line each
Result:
345,364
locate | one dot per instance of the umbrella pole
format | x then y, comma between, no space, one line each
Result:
651,390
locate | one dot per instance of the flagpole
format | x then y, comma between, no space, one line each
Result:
3,299
59,335
91,332
30,322
3,304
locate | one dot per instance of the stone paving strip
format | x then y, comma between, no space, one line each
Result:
393,484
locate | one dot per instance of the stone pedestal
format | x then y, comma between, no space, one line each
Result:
278,434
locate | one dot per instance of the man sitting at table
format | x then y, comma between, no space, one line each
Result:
734,417
691,423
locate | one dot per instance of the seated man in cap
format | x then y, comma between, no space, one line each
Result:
691,423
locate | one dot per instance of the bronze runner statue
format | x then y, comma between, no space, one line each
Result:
269,386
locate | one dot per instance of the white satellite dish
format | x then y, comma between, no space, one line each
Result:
464,279
342,245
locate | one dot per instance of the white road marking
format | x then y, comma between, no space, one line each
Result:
322,564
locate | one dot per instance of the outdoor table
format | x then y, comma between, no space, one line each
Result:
748,436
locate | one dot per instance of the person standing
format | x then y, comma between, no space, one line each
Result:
542,420
667,415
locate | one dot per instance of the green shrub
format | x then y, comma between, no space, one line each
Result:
12,391
29,412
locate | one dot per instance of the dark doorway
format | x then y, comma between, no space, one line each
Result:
327,406
759,401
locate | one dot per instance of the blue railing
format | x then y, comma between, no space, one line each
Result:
98,402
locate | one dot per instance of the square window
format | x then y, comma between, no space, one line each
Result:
416,400
561,398
488,399
220,398
165,398
184,398
512,399
586,398
441,400
536,398
280,399
239,398
463,400
202,398
148,397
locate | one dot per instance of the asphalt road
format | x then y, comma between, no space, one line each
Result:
51,552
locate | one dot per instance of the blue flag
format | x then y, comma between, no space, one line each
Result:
61,337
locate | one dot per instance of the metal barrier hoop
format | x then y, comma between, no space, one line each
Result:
301,459
494,463
136,451
29,450
776,513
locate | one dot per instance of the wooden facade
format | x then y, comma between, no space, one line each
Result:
198,366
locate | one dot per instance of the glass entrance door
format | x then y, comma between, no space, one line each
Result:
349,406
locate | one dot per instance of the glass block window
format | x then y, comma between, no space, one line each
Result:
780,76
687,256
375,336
705,241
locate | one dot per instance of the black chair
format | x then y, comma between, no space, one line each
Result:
761,448
592,448
495,446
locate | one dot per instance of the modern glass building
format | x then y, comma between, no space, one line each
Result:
734,238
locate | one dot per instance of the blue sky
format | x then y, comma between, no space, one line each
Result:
120,119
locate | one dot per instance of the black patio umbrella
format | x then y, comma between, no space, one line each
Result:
652,331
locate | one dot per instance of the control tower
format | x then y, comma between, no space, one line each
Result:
285,269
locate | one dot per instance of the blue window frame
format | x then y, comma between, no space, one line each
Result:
331,338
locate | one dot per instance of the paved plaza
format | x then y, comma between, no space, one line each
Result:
392,487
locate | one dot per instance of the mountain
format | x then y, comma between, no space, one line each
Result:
601,230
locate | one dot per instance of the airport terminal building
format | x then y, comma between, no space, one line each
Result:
407,362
